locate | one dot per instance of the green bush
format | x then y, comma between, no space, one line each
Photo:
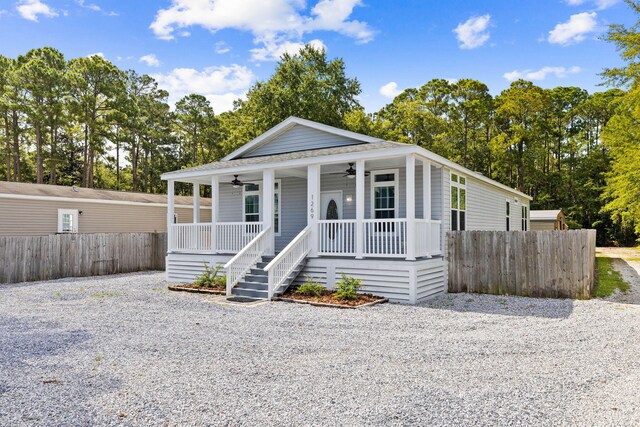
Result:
347,288
210,277
310,288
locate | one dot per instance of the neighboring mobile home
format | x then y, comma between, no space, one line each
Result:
329,201
40,209
548,220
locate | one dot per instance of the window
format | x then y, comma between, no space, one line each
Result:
525,217
508,213
251,203
458,202
384,187
67,220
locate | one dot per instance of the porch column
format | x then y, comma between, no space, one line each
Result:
215,212
360,195
196,203
170,214
267,206
426,189
411,207
313,206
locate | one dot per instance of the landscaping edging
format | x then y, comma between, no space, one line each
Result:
325,304
196,290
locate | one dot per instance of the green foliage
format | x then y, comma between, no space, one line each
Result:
608,279
347,288
210,278
310,288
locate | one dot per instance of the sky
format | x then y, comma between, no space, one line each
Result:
219,48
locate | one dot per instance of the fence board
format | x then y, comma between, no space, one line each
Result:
549,264
32,258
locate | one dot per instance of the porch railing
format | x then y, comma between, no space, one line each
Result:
337,237
231,237
192,238
286,262
428,237
247,258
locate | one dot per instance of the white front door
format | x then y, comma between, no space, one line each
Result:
329,210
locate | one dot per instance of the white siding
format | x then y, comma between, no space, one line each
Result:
293,209
486,207
300,138
431,280
184,268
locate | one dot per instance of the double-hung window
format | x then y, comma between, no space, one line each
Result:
508,215
251,204
525,218
67,220
458,202
384,187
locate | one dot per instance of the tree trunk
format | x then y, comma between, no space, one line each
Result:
53,178
85,154
17,172
7,135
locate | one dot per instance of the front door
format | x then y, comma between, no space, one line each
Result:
331,205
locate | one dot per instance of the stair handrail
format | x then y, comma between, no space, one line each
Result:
244,260
286,262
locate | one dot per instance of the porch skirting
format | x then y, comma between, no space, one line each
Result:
407,282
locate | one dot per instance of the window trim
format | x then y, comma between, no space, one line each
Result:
396,194
525,218
507,216
75,213
260,194
459,186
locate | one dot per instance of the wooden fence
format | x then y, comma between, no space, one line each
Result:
552,264
31,258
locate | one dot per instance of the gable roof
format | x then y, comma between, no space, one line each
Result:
544,215
289,123
9,189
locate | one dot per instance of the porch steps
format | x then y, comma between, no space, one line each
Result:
255,284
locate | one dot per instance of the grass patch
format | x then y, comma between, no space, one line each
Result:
608,279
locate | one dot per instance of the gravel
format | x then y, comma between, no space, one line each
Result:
123,350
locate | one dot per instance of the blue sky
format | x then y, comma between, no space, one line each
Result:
220,47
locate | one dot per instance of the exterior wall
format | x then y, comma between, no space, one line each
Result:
543,225
301,138
28,217
184,268
293,209
486,206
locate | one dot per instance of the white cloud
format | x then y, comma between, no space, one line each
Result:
473,32
600,4
221,85
390,90
222,48
574,30
94,7
541,74
30,9
151,60
272,50
272,22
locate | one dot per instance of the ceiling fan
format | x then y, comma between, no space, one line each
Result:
350,172
236,182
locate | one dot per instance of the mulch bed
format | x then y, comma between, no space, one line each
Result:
191,287
327,300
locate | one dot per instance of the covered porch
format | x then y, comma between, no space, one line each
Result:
362,207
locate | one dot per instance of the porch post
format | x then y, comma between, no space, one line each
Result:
267,206
170,214
426,189
215,212
196,203
313,206
411,207
360,195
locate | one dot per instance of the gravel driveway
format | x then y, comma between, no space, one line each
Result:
122,350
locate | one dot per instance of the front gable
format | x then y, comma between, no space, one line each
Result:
295,134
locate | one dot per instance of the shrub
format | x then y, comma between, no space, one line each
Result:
310,288
210,278
347,288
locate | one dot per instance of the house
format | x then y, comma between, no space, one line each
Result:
40,209
545,220
309,199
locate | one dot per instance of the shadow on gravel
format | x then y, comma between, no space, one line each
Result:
502,305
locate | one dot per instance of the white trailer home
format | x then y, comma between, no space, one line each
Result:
309,199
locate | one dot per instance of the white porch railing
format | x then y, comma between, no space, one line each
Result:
427,237
291,256
247,258
385,237
192,238
337,237
231,237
